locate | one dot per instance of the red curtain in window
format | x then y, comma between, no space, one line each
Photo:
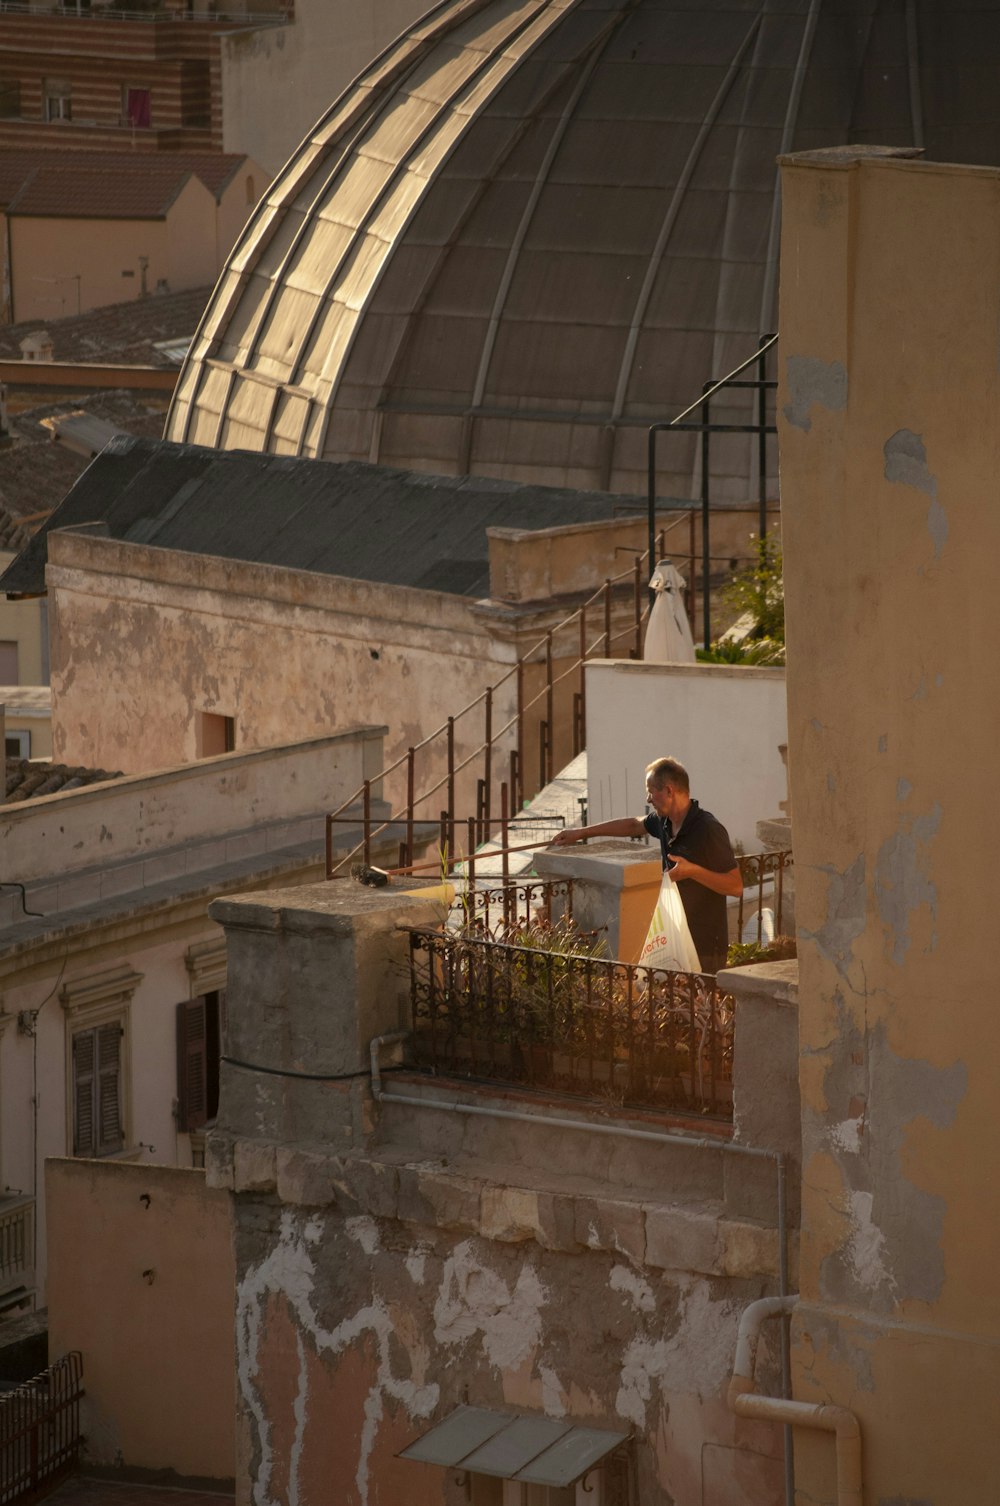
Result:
137,109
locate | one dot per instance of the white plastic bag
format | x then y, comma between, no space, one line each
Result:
668,941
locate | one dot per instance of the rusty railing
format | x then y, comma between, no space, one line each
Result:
763,888
514,903
40,1428
504,740
582,1025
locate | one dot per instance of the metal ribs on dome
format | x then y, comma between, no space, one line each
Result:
533,227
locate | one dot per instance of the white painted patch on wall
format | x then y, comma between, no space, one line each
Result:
553,1395
288,1272
364,1231
473,1299
416,1263
696,1359
866,1245
634,1286
846,1135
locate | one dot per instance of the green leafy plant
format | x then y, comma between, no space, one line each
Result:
758,591
743,953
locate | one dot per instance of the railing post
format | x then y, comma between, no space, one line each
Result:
410,787
471,861
549,707
366,806
705,558
515,780
543,728
443,845
607,619
329,847
762,444
504,860
692,566
451,774
481,833
488,758
520,732
637,607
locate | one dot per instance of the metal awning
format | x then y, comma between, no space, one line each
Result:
537,1450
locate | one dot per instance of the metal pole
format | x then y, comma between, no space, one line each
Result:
637,608
329,847
451,774
367,823
549,706
471,865
705,563
410,786
607,619
488,758
762,446
520,732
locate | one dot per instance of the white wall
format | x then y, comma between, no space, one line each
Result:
724,722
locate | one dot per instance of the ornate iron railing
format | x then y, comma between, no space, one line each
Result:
17,1242
40,1428
763,888
516,903
571,1023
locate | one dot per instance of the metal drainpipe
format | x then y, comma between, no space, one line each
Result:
662,1137
746,1403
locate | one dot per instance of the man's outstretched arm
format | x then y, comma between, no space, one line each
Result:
625,826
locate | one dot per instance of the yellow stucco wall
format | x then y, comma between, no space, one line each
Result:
47,256
142,1256
889,434
21,622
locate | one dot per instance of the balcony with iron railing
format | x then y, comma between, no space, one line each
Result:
17,1249
510,991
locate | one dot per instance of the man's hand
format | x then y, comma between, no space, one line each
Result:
567,837
682,868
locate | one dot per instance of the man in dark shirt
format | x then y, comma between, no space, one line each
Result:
693,845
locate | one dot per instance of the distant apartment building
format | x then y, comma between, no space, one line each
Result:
82,231
86,76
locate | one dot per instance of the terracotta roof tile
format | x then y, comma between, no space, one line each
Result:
107,185
118,332
27,780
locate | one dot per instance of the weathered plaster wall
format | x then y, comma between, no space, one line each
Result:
142,1261
724,722
143,640
162,820
890,313
395,1262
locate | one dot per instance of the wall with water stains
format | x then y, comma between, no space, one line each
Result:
889,433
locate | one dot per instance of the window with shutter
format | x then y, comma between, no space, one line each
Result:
98,1128
192,1085
84,1046
111,1132
199,1028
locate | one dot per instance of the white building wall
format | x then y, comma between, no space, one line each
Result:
724,722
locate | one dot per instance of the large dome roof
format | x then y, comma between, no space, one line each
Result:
533,227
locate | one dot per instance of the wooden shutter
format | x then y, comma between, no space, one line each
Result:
192,1065
84,1086
111,1131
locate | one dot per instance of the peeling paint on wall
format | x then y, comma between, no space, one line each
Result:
846,909
890,1250
901,883
476,1300
697,1358
906,463
813,382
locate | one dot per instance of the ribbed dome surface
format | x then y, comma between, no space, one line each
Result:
535,226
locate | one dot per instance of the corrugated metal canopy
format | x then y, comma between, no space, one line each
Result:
361,521
536,1450
534,226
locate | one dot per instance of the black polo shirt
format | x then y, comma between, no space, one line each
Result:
702,840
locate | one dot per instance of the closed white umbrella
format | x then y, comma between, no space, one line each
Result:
668,632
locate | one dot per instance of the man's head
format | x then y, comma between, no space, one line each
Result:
668,788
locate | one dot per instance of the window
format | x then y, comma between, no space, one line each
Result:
8,662
57,100
17,744
98,1010
136,107
199,1033
215,734
97,1090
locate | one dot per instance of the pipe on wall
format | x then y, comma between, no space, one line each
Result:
745,1402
